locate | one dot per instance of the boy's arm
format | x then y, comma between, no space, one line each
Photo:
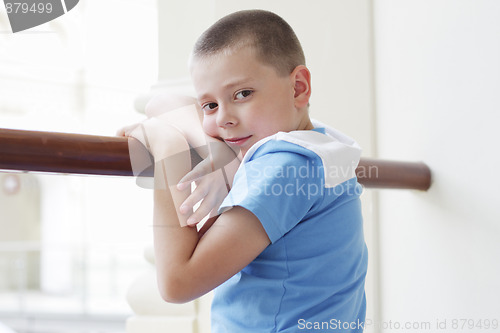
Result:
181,113
189,266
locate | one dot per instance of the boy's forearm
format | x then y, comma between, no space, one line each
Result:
173,244
187,120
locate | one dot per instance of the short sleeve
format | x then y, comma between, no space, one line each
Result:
278,187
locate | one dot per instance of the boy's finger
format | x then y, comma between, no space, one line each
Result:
203,210
195,197
198,171
183,184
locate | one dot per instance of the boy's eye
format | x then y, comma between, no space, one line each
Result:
242,94
209,107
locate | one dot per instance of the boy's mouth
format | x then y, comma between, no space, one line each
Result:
237,141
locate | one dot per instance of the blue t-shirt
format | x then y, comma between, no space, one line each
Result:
311,277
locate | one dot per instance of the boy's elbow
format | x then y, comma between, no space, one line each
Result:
173,296
174,291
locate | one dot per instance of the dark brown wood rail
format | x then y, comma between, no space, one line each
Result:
104,155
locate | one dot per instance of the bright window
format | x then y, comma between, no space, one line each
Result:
70,246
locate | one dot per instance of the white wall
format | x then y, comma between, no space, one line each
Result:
438,100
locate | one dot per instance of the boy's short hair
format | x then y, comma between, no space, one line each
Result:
271,37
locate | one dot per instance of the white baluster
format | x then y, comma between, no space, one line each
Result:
152,313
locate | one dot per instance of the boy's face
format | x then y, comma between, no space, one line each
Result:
242,99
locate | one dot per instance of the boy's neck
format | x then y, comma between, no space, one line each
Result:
305,124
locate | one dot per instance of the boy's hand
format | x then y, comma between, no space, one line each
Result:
211,189
213,177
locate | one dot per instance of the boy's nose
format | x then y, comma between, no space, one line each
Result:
225,118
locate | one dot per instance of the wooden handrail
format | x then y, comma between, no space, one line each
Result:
105,155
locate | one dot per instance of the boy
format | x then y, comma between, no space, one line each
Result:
287,252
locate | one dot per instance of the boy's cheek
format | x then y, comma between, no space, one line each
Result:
210,127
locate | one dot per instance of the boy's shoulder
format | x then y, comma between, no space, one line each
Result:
337,156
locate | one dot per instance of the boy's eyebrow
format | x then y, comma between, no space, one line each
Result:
230,84
237,82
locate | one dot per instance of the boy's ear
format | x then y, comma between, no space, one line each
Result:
302,85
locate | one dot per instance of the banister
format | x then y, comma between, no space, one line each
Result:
105,155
